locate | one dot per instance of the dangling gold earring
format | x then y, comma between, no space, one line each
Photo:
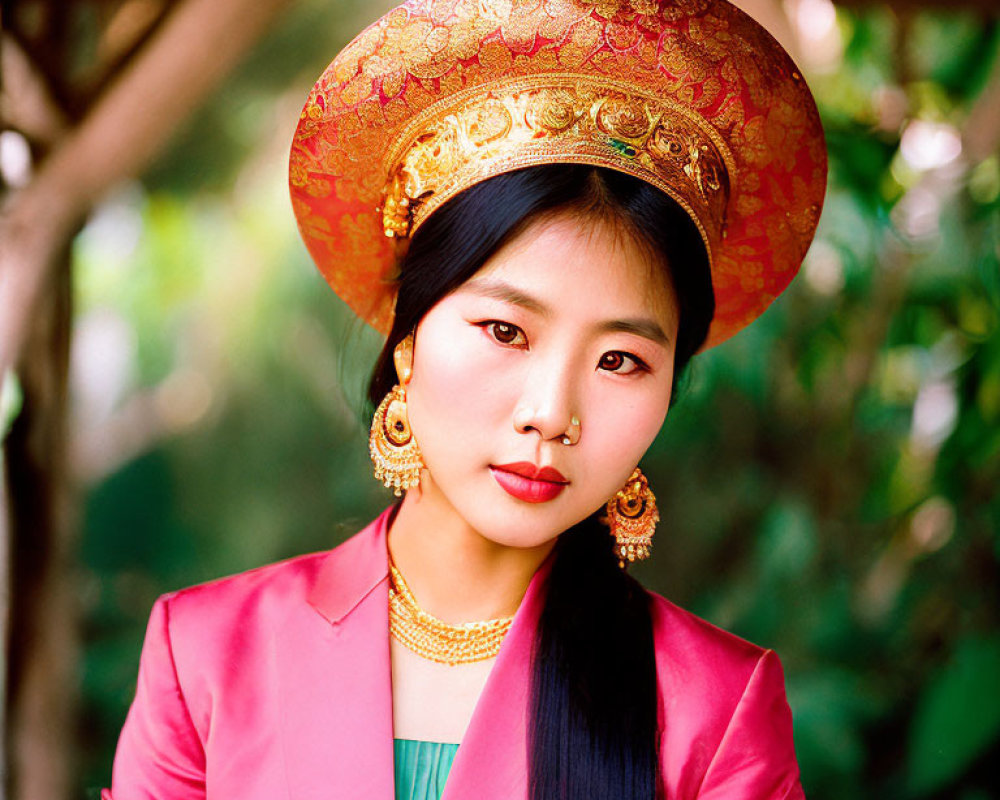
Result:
395,454
632,516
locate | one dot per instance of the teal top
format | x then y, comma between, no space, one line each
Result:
421,768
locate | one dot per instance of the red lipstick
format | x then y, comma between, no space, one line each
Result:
529,483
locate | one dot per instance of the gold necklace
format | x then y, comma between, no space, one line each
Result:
434,639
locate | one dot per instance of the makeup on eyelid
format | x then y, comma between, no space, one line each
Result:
509,295
640,364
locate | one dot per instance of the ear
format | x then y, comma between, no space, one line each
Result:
402,358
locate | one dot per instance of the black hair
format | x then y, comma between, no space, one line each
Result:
593,713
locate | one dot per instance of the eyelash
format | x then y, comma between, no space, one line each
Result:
491,325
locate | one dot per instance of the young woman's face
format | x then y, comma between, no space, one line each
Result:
569,320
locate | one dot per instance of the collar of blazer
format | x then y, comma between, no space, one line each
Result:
336,688
352,571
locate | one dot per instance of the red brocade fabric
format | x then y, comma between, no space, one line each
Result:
276,683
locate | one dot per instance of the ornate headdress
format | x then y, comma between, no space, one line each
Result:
692,96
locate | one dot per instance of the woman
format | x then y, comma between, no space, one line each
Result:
549,207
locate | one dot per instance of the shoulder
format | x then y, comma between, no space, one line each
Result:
261,592
686,644
202,648
263,597
241,613
727,728
217,640
704,663
708,676
205,631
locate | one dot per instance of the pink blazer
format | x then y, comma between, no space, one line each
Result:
276,683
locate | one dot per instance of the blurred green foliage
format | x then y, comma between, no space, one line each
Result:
827,481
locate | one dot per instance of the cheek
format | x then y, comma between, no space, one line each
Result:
618,433
631,425
458,394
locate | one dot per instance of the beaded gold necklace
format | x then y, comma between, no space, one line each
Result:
434,639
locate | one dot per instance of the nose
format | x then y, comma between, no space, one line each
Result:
547,402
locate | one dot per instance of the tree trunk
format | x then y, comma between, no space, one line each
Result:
182,61
43,646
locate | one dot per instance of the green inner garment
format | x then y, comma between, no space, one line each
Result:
421,768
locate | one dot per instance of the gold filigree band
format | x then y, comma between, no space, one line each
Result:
551,119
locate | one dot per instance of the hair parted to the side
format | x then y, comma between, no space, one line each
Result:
593,715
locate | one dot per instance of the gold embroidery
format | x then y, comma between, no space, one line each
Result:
555,118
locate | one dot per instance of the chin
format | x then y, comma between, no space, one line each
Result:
510,523
503,519
519,539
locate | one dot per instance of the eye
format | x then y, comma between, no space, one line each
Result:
505,333
621,363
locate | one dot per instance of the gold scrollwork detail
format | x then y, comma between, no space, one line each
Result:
495,131
623,117
551,111
705,171
488,123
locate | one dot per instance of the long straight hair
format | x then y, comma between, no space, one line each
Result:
593,707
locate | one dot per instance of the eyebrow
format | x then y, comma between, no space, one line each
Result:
500,290
646,328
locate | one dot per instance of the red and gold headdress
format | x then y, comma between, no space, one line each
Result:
692,96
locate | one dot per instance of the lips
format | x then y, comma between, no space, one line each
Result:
529,483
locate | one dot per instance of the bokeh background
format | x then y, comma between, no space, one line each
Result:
188,401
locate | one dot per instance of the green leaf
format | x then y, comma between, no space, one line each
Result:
788,539
11,400
957,718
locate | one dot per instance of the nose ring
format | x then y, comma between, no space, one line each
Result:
572,435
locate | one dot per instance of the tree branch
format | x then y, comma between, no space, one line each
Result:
26,99
981,131
195,47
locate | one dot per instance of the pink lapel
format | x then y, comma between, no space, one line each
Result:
492,761
335,677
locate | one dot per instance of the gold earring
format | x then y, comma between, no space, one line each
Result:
632,516
395,454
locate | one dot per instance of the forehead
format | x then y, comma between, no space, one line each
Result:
586,264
